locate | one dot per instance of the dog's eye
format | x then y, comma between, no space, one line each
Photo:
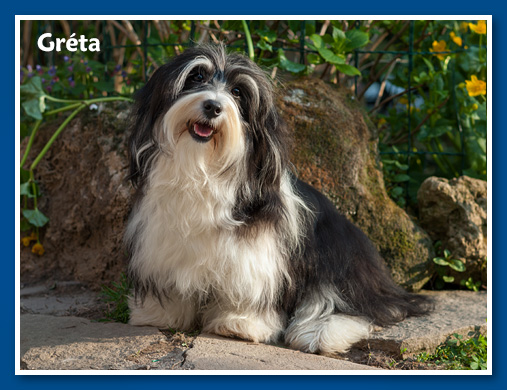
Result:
236,92
198,78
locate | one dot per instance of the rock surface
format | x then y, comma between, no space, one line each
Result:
461,312
455,212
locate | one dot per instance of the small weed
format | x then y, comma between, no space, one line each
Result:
116,299
444,263
459,354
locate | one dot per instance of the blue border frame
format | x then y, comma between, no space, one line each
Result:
391,7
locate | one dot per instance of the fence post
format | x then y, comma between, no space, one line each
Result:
302,42
409,113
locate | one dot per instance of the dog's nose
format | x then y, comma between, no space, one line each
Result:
212,108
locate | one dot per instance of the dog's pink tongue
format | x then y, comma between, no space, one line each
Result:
202,130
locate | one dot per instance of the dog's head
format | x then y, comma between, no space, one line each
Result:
209,110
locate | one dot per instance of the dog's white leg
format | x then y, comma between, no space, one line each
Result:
315,327
175,313
257,326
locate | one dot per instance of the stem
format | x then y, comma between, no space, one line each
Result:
55,135
88,101
30,142
61,109
480,48
248,39
34,189
57,100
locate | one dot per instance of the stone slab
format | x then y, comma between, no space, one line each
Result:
211,352
455,312
73,343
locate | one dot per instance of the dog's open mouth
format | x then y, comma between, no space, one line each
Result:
201,132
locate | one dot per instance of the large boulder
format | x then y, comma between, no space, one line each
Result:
455,213
87,199
336,151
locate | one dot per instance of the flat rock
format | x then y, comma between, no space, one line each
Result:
459,312
73,343
211,352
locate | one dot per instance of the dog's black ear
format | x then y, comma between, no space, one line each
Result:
151,102
267,149
270,144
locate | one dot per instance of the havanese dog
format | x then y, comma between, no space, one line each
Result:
224,237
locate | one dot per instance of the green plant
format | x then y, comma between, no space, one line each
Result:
116,298
470,284
459,354
396,178
446,103
443,264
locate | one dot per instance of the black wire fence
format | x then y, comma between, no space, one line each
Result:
138,39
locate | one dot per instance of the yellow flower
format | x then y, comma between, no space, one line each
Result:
479,28
463,27
457,40
475,87
475,106
38,249
439,47
381,122
28,239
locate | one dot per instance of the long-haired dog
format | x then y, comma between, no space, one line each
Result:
224,237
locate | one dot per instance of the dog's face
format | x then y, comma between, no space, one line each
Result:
206,109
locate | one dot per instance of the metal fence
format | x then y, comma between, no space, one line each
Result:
302,50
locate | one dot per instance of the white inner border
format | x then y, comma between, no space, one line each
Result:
488,19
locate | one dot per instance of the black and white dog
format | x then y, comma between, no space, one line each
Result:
224,237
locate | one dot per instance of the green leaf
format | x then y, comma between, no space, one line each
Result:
330,57
457,265
265,46
267,35
33,108
317,40
32,89
338,35
440,261
401,166
314,58
25,189
32,97
397,191
428,64
448,279
35,217
356,39
288,64
401,177
348,70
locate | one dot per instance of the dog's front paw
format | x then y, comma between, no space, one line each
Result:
253,327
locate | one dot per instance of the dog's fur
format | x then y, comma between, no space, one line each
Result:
224,237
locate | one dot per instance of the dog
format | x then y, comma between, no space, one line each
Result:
223,236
